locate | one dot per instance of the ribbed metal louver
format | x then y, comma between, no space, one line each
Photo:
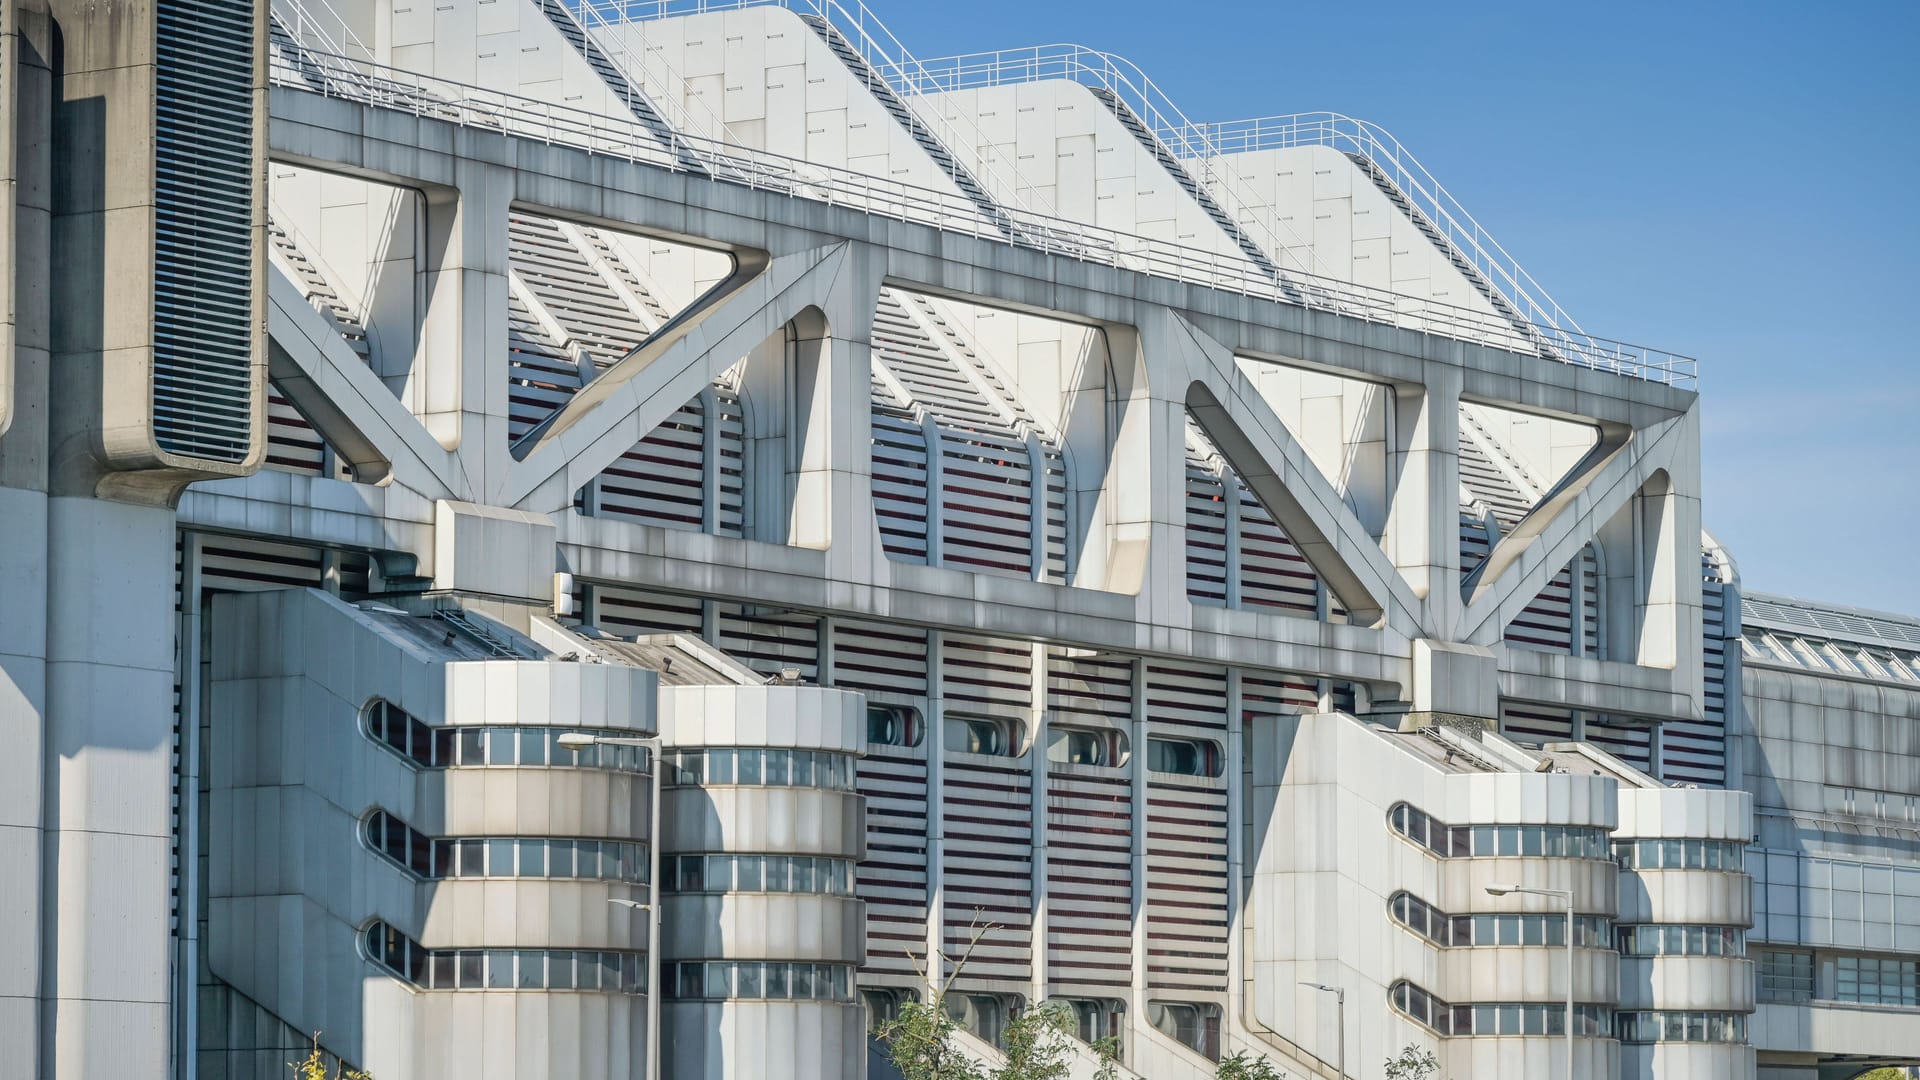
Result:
203,229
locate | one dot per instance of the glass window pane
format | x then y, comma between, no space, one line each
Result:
533,746
776,873
748,763
533,858
776,980
720,766
473,746
778,766
748,872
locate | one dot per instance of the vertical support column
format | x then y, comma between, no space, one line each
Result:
28,90
1138,840
1146,481
936,489
936,808
1037,513
1667,594
105,977
831,449
459,386
709,460
1037,792
1236,773
1423,507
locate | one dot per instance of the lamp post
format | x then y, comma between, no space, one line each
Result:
1340,1012
578,741
1567,895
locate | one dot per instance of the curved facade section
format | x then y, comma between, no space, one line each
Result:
413,812
1686,906
761,933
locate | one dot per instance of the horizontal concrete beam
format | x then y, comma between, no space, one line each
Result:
399,148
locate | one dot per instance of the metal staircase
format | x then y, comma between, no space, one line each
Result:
1131,121
1433,234
630,95
897,108
323,296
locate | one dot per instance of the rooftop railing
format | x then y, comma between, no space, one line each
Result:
1428,198
624,137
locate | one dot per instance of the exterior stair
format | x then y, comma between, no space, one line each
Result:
603,65
1185,179
1427,228
897,108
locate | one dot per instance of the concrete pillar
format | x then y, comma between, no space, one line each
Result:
1037,754
105,978
831,456
1146,476
26,87
1423,508
459,384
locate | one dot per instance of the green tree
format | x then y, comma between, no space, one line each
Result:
314,1067
1412,1063
1243,1066
1038,1043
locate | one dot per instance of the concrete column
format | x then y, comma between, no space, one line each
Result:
27,91
1423,503
831,419
936,808
1137,1006
1146,475
105,977
1037,754
1667,597
459,384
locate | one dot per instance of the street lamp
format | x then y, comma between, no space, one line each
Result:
1340,1011
1567,895
578,741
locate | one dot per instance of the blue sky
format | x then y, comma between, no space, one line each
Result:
1732,182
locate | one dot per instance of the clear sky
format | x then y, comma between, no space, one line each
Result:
1735,182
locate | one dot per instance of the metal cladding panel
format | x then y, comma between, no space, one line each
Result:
1089,871
206,241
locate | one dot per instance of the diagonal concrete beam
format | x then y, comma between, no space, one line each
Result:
1225,403
636,395
1552,534
348,404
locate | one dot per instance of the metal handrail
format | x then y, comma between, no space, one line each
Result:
626,138
1500,270
1182,138
320,23
883,51
661,86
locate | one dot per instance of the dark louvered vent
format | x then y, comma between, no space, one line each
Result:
203,242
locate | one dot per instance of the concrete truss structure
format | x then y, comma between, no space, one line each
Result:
623,534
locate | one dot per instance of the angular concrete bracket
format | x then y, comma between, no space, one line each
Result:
637,394
1461,680
348,404
1284,478
1549,537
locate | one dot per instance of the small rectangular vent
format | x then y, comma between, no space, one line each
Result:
203,223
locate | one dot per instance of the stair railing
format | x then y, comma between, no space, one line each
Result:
662,87
1184,140
1501,271
627,138
890,60
315,24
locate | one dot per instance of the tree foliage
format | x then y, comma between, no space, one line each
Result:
1037,1043
314,1067
1412,1063
1244,1066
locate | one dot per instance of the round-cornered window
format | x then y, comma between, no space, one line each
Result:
893,725
992,736
1183,757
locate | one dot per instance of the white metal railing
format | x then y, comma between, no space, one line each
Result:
316,24
891,62
627,138
650,76
1183,139
1500,271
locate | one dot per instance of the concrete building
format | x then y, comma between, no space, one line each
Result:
582,540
